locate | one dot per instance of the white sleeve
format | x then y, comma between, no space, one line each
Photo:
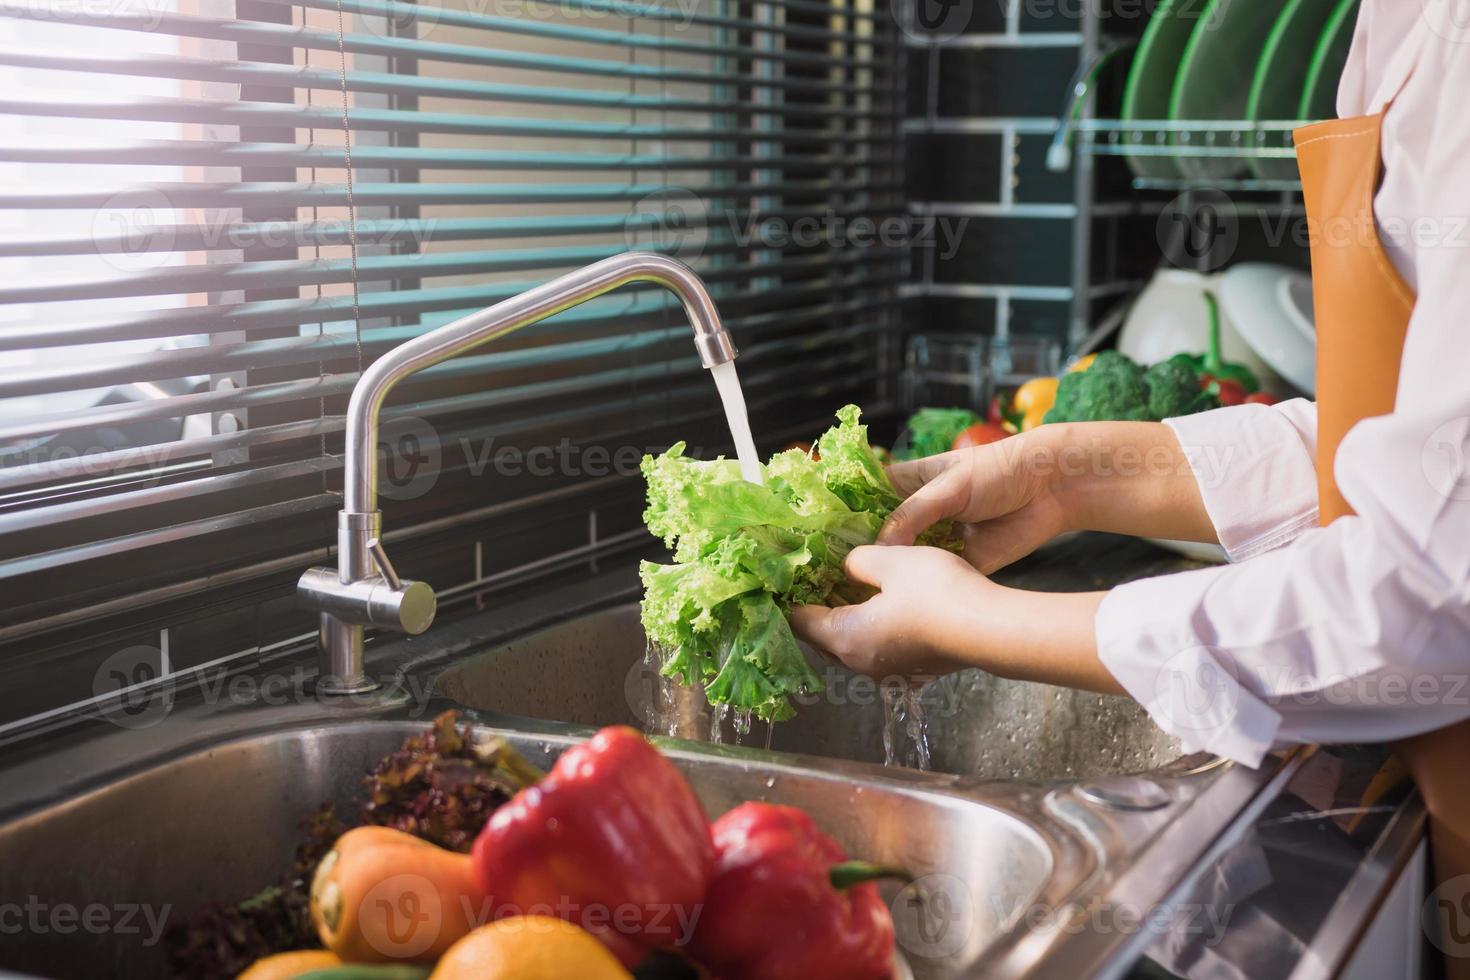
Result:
1359,631
1256,470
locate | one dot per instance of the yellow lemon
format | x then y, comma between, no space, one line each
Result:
529,947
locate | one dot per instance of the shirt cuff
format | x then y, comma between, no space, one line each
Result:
1153,649
1256,470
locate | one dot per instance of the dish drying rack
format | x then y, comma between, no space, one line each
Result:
1081,137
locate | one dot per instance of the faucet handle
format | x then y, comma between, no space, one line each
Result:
385,567
384,600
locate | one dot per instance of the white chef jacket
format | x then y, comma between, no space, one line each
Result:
1359,631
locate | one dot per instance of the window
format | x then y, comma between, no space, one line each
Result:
191,281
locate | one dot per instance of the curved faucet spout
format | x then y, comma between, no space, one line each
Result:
363,589
360,490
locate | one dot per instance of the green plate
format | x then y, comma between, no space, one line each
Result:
1211,84
1151,77
1281,75
1319,93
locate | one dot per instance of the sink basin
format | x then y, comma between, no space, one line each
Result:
218,822
592,670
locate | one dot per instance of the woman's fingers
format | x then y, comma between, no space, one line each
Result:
826,629
908,477
866,564
943,497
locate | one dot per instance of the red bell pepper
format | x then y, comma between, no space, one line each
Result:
612,839
786,904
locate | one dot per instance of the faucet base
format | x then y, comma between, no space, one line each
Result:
341,672
328,685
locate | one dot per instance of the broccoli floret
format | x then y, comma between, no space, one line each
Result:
1174,390
1112,388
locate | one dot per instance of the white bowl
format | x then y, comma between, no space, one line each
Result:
1270,306
1171,317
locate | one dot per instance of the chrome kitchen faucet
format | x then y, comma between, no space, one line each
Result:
364,589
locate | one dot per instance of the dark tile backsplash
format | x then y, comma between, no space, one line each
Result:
1052,15
1004,81
1010,251
956,314
976,160
1034,183
1040,317
957,167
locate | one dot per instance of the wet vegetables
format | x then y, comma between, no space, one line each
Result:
382,895
612,839
786,904
220,940
441,786
746,552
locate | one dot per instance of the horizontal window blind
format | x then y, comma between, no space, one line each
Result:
192,275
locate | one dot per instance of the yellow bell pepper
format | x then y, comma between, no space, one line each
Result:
1081,364
1033,400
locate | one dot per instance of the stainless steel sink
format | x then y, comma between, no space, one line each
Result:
591,670
201,801
218,821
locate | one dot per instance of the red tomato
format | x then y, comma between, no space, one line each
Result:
1231,392
980,434
1261,398
805,447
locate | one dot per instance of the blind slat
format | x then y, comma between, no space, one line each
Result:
277,314
295,351
313,272
216,153
414,14
384,83
186,194
308,389
163,237
207,112
94,507
297,37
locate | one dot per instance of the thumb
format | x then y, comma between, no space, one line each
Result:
825,628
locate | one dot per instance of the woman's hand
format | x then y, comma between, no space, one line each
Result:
934,614
910,626
1011,497
1006,505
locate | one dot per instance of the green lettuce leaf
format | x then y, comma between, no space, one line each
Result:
745,553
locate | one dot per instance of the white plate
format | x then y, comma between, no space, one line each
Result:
1170,317
1270,306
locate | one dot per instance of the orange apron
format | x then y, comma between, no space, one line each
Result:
1363,307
